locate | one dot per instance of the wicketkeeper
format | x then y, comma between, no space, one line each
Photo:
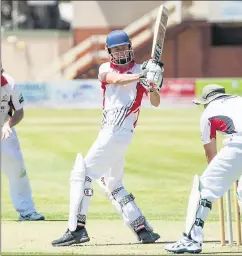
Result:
223,114
123,83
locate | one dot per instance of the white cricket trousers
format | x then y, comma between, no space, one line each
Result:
107,155
220,174
106,159
12,164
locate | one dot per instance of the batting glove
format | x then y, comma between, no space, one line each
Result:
150,64
154,76
148,86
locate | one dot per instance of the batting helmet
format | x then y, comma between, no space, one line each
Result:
119,38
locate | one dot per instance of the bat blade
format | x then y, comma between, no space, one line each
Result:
159,33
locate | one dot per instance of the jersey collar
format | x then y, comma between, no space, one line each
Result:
120,69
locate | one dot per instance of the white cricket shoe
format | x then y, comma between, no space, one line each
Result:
184,245
31,217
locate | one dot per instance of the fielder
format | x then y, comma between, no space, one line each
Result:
12,162
124,83
222,114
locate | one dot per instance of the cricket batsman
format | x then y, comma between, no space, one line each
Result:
222,113
12,162
123,83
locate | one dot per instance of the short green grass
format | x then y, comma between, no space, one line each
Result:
232,85
165,154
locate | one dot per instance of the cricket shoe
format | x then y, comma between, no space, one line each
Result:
185,245
147,237
34,216
72,237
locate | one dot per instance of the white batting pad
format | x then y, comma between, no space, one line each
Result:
193,204
239,193
88,193
77,181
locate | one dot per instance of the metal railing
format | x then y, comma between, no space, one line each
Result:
68,66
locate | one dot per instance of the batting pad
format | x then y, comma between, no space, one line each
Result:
193,204
77,182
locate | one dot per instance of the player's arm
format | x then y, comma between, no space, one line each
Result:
154,98
107,76
12,121
17,103
118,79
152,80
210,150
208,135
17,117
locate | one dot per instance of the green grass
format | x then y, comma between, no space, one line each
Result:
165,154
232,86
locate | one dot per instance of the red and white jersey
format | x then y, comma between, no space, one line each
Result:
11,98
223,115
121,104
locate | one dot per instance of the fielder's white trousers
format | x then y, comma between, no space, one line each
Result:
12,164
220,174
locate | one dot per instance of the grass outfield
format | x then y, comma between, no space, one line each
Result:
232,85
165,154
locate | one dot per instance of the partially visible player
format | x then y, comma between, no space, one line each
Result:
222,114
12,162
121,80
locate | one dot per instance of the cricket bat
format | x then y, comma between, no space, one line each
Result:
159,33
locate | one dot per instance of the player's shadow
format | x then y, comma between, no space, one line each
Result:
220,253
39,221
138,243
55,220
224,253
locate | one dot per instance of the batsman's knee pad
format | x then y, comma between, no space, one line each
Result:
131,213
88,193
88,190
197,211
125,201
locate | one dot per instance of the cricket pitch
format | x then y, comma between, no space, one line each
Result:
107,238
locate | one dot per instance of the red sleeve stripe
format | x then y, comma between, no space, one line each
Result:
103,85
213,128
221,123
137,102
3,80
104,91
